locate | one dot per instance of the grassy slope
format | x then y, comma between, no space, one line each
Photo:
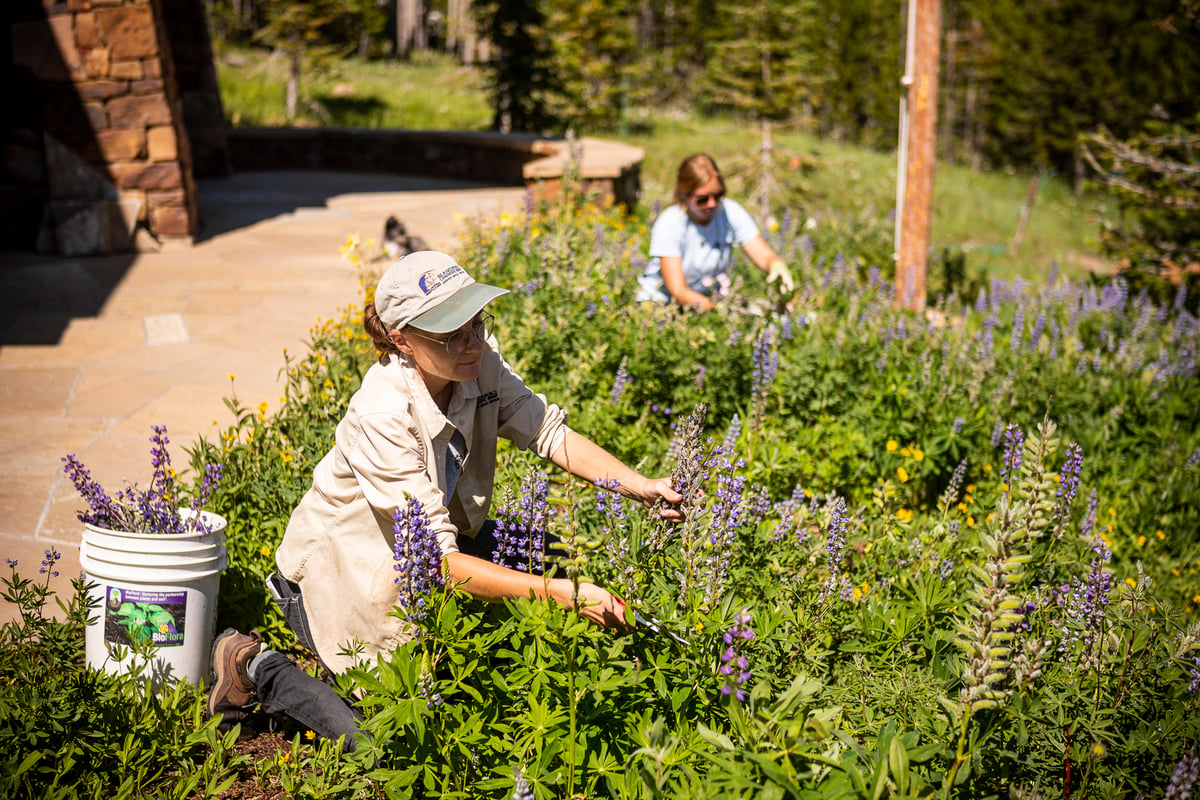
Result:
974,212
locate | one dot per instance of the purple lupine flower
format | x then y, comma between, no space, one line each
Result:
1068,483
52,558
1193,459
947,566
785,328
418,559
1180,296
1038,326
212,477
727,509
789,513
1192,687
957,426
1089,516
950,496
522,790
835,533
102,510
621,382
1010,462
1184,779
12,563
735,668
522,523
764,367
428,690
1018,331
997,432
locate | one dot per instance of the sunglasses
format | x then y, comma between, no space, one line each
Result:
705,199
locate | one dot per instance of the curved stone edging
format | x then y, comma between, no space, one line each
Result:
612,169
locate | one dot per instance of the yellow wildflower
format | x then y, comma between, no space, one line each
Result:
1141,541
232,376
918,454
970,488
1196,598
1160,534
902,474
1099,750
962,507
310,735
904,451
987,467
1112,512
891,445
970,522
1131,583
266,551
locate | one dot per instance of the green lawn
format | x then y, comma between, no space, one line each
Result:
846,190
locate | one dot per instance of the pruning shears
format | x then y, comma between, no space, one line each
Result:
657,626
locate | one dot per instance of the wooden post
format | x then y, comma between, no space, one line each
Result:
918,152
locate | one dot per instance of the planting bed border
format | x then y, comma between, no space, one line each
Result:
539,162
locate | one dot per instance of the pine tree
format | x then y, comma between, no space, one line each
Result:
759,70
595,47
520,64
297,29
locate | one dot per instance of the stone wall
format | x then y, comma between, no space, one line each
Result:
609,169
109,121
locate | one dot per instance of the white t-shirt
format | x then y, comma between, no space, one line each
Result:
706,250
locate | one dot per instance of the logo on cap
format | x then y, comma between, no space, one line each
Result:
429,282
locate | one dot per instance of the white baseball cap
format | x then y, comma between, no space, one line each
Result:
431,292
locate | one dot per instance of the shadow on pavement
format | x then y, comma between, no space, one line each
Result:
41,294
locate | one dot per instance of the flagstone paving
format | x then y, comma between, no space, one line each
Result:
93,351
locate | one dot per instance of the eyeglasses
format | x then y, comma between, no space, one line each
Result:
457,342
704,199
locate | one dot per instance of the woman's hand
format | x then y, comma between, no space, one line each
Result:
655,489
596,605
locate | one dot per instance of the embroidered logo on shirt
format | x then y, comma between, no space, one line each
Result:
487,399
430,281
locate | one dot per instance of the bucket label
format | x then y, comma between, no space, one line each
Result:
133,615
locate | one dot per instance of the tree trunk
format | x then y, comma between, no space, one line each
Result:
407,20
293,82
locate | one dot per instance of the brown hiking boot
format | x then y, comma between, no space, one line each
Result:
232,693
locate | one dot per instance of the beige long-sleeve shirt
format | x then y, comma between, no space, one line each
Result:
392,443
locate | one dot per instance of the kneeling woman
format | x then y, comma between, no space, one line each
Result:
424,424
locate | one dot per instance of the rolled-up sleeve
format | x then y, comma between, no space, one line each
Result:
527,419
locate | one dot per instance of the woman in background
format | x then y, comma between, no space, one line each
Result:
691,243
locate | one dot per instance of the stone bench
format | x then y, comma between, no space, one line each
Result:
611,169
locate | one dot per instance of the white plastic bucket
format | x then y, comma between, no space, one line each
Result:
160,588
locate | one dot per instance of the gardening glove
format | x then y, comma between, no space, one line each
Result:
778,271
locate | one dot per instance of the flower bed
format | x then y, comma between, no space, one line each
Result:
946,555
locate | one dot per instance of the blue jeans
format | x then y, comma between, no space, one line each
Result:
286,690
